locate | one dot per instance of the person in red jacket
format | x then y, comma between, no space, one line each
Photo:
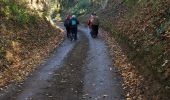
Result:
89,22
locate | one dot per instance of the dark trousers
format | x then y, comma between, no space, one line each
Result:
95,29
68,31
74,33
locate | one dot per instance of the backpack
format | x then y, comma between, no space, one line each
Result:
66,23
95,21
73,22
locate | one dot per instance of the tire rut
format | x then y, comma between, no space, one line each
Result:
40,78
84,72
67,83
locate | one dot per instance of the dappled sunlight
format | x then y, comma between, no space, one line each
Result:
26,38
16,46
9,56
55,10
58,17
38,5
137,33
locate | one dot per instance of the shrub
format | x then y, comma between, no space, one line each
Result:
23,17
17,12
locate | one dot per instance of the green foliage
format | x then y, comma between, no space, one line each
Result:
55,10
54,13
162,28
66,4
14,11
23,17
81,7
132,2
32,19
6,11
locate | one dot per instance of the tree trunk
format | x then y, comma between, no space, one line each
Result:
104,4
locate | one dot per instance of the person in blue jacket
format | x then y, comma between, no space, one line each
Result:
73,27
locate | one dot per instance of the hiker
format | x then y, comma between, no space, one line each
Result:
67,26
95,25
89,22
73,26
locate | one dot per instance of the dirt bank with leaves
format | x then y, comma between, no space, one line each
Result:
26,39
135,85
142,31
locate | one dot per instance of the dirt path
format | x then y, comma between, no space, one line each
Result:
101,79
80,70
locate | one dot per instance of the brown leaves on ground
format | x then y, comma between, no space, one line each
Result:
130,77
25,48
143,33
135,85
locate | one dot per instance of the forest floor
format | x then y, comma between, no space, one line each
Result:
77,70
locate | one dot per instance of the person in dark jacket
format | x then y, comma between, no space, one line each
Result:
95,25
73,27
67,26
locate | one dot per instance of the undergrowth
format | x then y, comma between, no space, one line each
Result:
17,12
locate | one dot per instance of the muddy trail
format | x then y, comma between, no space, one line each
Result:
77,70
